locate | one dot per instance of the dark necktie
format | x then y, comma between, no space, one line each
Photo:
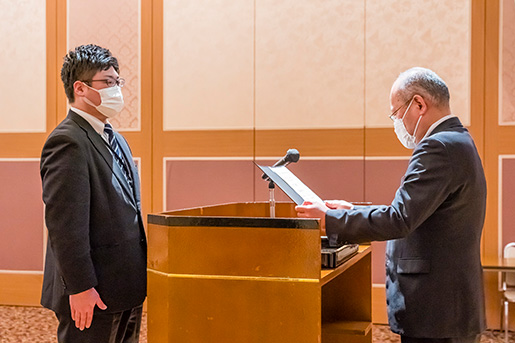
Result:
117,152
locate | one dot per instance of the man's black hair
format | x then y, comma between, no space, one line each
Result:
83,63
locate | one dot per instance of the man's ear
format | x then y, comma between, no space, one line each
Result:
79,88
420,104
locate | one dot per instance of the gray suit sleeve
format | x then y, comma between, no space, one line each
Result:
427,184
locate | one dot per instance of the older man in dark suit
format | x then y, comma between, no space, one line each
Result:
434,281
95,269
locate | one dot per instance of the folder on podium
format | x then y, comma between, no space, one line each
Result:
230,273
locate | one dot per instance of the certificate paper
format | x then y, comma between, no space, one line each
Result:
290,184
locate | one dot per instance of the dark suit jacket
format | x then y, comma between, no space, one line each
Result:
96,235
434,282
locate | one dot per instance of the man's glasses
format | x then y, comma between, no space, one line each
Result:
394,113
109,82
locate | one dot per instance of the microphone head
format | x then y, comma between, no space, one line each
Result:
292,156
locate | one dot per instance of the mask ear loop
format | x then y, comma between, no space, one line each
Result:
418,121
416,127
407,109
96,90
89,102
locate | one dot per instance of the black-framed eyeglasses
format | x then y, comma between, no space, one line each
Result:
394,113
109,82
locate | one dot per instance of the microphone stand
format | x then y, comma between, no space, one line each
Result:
271,189
292,155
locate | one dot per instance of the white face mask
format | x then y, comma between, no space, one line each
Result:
111,101
400,130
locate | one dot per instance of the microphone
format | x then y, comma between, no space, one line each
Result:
292,156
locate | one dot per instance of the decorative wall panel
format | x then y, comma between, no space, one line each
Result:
208,64
309,64
114,25
507,63
21,210
196,182
506,200
417,33
329,178
23,66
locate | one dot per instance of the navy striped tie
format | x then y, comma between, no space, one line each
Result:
115,147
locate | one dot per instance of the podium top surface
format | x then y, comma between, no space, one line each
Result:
251,214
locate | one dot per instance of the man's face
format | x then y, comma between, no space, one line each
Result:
100,80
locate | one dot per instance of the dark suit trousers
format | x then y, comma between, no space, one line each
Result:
473,339
120,327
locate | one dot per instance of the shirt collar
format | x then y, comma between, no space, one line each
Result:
96,123
435,124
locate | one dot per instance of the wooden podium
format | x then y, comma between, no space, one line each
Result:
229,273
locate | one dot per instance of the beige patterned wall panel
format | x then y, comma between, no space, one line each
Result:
114,25
507,63
429,33
309,64
208,64
23,66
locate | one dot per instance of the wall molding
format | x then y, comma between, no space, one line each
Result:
379,314
20,288
500,245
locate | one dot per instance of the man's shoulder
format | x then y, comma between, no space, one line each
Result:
449,129
454,145
66,133
451,144
452,137
69,126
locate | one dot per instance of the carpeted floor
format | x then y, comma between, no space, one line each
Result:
38,325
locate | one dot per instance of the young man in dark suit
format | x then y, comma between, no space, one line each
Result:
95,268
434,278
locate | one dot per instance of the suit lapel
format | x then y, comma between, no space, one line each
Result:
102,148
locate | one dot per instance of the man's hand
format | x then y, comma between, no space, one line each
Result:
82,306
313,210
339,205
